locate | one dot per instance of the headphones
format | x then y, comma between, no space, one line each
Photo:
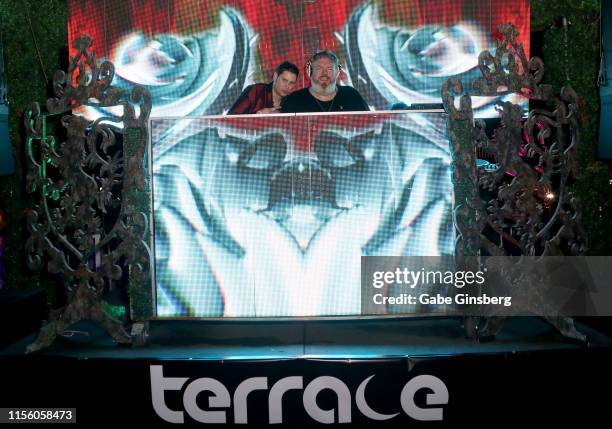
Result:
325,53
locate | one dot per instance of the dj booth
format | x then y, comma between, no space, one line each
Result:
256,311
247,264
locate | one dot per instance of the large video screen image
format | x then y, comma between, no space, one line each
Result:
269,216
196,57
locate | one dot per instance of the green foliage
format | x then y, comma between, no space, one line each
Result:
27,81
571,56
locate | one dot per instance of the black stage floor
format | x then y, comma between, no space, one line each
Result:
529,373
417,337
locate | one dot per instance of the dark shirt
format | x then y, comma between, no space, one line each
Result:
253,99
347,99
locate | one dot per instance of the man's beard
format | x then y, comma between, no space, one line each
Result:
324,90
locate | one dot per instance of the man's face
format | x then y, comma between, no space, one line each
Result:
284,83
324,73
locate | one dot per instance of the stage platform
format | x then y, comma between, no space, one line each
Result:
528,372
363,339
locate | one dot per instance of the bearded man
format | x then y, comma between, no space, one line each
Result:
324,94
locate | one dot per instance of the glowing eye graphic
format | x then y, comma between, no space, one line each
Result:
391,64
186,75
435,51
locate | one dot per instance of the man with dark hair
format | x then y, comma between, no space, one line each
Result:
267,97
323,94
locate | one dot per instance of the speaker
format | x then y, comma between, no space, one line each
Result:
22,311
604,146
7,164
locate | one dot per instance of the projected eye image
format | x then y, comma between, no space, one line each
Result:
196,58
270,216
410,63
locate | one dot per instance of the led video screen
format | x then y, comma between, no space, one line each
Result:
195,57
269,215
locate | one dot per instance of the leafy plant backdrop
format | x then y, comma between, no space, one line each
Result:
35,41
35,36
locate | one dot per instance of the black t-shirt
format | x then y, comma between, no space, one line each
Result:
347,99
